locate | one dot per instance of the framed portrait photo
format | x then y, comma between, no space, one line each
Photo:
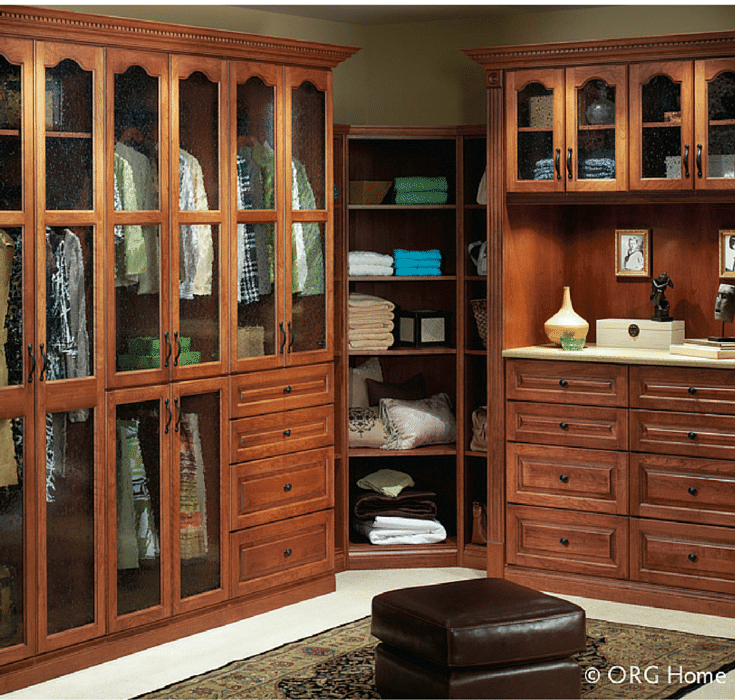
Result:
727,253
632,253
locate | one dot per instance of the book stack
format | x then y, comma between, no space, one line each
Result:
714,349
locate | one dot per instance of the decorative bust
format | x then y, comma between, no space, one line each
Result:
725,303
658,298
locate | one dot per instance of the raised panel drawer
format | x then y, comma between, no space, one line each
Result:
267,490
274,434
683,389
574,426
683,488
280,553
569,478
681,554
281,389
693,434
570,541
567,382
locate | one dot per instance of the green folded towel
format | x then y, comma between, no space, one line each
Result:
421,184
421,197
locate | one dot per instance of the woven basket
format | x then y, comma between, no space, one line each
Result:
479,309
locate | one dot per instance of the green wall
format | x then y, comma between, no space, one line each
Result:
415,74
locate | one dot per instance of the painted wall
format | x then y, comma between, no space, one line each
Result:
415,74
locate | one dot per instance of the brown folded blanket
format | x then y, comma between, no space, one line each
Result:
407,504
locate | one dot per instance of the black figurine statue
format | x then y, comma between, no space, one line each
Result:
658,298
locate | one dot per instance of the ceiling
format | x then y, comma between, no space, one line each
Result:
377,14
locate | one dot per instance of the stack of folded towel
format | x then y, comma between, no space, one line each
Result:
421,190
370,322
365,262
389,530
417,262
544,169
597,165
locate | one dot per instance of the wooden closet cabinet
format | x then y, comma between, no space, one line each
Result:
165,252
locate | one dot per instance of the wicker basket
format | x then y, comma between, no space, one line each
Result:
479,309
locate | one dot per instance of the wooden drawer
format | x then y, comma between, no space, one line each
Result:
274,434
281,553
569,478
681,554
693,434
267,490
574,426
683,389
563,540
567,382
682,488
281,389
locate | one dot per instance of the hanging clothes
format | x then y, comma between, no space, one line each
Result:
8,461
130,252
252,248
192,494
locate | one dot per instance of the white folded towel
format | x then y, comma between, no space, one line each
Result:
357,269
366,257
393,530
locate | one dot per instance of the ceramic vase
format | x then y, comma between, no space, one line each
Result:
566,322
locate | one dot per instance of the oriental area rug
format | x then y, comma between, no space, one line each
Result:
620,661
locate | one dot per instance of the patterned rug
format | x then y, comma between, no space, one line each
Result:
620,661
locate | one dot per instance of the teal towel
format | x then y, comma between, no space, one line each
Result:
417,271
425,256
421,184
422,197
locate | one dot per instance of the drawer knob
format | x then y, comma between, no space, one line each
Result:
564,478
692,436
287,552
692,390
563,383
287,389
287,432
692,491
692,557
564,541
287,487
563,425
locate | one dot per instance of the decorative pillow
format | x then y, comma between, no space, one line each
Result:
366,429
411,424
410,390
370,369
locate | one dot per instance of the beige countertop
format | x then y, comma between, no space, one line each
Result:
628,356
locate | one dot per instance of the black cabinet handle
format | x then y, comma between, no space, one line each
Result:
557,162
287,432
283,338
287,389
692,557
287,487
699,160
178,348
692,390
692,490
42,375
33,363
291,342
563,383
178,415
564,541
168,345
168,422
564,479
692,436
686,161
569,163
287,552
563,425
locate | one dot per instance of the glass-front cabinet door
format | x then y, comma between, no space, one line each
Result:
310,193
256,268
536,149
662,147
596,158
198,246
138,274
715,123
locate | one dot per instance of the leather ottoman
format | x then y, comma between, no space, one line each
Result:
480,638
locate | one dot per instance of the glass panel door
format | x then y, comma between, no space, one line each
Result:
308,325
12,97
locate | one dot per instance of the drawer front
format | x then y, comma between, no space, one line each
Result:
683,488
693,434
569,478
257,437
681,554
559,540
683,389
574,426
281,553
268,490
281,389
567,382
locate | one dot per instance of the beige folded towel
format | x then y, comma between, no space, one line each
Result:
369,301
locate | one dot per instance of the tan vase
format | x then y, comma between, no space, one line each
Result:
566,322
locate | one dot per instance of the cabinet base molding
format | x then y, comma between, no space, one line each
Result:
58,663
630,592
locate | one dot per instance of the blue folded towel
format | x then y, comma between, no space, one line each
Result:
423,256
417,271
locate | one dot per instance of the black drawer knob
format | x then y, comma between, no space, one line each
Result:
692,557
564,541
564,479
563,425
692,390
287,432
692,436
287,552
287,389
692,491
287,487
563,383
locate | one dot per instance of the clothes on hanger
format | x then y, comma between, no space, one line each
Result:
194,543
8,461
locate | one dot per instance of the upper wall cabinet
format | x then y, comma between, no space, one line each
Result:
567,129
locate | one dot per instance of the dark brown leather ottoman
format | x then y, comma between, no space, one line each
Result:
480,638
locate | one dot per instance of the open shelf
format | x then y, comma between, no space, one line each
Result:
428,451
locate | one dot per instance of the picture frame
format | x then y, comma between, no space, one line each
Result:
727,253
633,252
